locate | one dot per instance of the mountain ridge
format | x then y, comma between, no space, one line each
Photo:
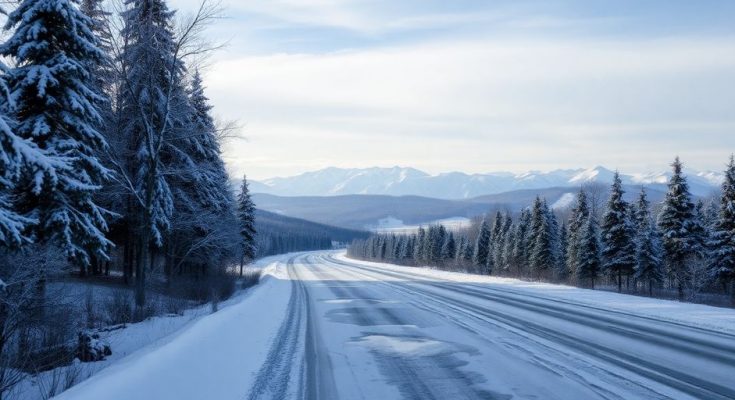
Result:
403,181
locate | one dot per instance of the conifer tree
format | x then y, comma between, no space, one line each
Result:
562,272
675,223
482,247
541,255
618,248
418,253
578,218
450,248
57,109
520,242
723,237
246,216
588,254
13,153
648,252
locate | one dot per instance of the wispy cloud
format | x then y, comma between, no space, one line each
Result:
524,87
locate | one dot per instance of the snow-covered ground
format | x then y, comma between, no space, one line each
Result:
133,340
322,326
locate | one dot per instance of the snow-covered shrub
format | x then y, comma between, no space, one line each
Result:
90,348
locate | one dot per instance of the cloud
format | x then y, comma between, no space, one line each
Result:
538,103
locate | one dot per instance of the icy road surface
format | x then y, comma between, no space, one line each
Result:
322,326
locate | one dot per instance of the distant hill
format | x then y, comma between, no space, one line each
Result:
282,234
399,181
367,211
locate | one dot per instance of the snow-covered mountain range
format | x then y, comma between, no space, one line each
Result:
399,181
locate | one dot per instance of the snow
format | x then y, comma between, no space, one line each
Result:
564,201
138,346
329,327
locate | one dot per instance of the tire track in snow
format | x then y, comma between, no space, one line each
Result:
680,381
275,378
411,374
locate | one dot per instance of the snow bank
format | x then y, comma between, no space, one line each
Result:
168,357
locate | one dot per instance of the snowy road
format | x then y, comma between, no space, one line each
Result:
333,328
373,332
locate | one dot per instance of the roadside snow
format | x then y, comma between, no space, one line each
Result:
141,351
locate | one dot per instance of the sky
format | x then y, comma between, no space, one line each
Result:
474,86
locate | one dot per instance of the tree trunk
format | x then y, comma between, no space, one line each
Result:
620,280
650,288
242,263
140,270
732,291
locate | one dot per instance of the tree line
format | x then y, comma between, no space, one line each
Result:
109,152
685,247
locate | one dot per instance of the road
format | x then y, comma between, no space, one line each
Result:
356,330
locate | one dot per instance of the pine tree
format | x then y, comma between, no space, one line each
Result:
450,248
723,237
578,218
103,76
588,254
468,252
13,153
618,248
151,94
57,109
521,242
418,253
246,216
675,223
541,255
648,252
482,247
562,271
499,248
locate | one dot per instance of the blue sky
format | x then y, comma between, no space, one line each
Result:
476,86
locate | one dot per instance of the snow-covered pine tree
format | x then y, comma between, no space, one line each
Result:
562,271
103,76
13,153
204,221
723,237
246,216
578,218
449,249
648,248
541,256
500,243
553,223
508,247
150,92
675,222
618,248
53,46
482,247
419,246
467,253
521,242
588,253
